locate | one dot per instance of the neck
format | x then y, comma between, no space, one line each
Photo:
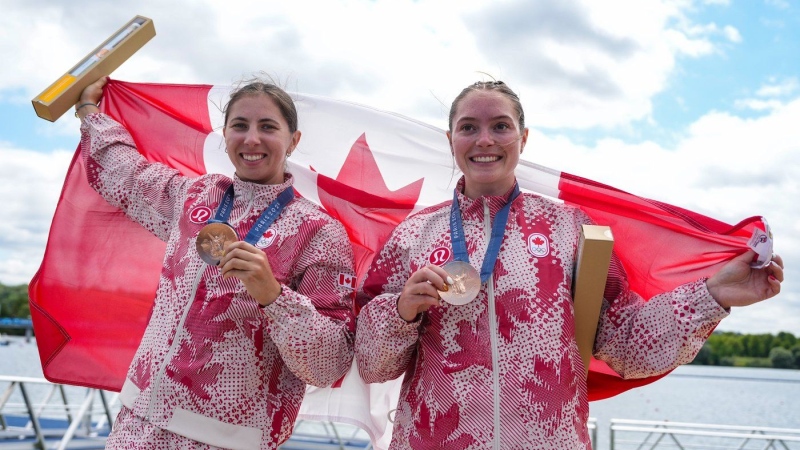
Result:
474,190
278,181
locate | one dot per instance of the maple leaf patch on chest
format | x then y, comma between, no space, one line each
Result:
267,238
538,245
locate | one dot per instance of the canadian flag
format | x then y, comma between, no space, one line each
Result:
91,298
347,280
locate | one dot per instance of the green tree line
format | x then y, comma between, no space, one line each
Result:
14,301
780,351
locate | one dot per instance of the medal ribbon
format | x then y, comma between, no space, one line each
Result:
266,219
498,231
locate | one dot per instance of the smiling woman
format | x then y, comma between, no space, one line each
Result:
260,132
248,310
498,366
486,141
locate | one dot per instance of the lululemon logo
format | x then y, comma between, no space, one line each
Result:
439,256
200,214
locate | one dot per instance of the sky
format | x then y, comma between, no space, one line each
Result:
694,103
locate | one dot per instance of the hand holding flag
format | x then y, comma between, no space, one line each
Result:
740,284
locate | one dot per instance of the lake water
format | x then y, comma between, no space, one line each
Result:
709,395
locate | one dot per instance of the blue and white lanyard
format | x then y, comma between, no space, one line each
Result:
266,219
498,231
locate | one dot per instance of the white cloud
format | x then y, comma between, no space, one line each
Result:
732,34
772,92
757,105
28,195
779,88
726,167
586,64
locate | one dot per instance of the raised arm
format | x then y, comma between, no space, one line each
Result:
119,173
639,338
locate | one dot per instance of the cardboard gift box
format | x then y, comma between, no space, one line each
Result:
60,96
591,271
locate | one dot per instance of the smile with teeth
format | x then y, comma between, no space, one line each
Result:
249,157
484,159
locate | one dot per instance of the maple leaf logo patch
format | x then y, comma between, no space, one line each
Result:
538,245
267,238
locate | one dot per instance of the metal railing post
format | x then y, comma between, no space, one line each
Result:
66,402
107,410
37,429
612,439
3,399
73,427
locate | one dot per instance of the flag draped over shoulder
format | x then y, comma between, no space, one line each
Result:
92,295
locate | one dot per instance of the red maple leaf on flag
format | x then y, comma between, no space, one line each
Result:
360,199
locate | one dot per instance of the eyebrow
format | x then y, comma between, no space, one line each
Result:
500,117
265,119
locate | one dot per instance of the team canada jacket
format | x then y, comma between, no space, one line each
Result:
504,371
212,365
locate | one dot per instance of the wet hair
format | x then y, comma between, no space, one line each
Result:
277,94
498,86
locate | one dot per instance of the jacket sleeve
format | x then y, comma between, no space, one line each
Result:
385,343
144,190
313,324
639,338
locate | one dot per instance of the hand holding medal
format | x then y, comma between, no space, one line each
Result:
219,245
422,291
249,264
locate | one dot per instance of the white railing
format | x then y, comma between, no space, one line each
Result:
592,426
38,414
81,413
651,435
314,435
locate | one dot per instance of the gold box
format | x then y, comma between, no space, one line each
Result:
591,271
60,96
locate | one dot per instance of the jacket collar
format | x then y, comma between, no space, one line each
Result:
260,194
472,209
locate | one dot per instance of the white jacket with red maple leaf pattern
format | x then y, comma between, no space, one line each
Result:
213,366
504,371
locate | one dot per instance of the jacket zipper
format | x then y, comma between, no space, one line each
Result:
175,340
487,231
178,332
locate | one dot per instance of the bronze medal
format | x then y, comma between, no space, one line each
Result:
212,240
466,283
